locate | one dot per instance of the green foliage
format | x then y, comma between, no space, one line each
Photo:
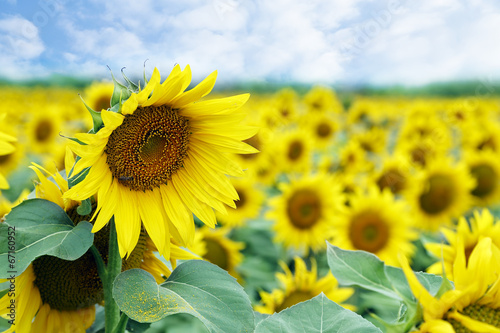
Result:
316,315
39,227
195,287
365,270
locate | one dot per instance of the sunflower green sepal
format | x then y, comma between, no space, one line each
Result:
39,227
96,117
120,93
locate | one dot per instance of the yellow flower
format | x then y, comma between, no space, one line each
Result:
484,166
480,225
375,222
162,157
293,151
394,174
439,193
61,295
247,207
304,213
301,286
214,245
322,99
98,95
474,303
44,127
6,148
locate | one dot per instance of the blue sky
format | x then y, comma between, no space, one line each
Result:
337,41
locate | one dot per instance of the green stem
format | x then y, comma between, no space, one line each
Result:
111,310
101,268
122,324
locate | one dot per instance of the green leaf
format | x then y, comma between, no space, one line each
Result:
318,314
120,92
195,287
360,268
39,227
96,117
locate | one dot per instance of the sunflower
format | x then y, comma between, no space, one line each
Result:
6,148
484,167
353,158
61,295
214,245
304,212
162,157
375,222
323,99
482,224
43,128
293,150
98,95
474,303
394,174
323,128
247,207
372,140
301,286
439,193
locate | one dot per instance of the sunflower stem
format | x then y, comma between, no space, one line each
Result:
111,310
101,267
122,324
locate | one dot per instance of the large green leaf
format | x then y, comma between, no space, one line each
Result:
316,315
39,227
360,268
195,287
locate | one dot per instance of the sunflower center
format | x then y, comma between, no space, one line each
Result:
240,203
419,155
304,209
295,297
148,147
323,130
480,313
439,194
43,130
392,179
368,232
486,179
72,285
216,254
295,150
4,159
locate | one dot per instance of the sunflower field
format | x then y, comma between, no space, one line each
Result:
161,206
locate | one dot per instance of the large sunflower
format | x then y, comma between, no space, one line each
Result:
474,304
305,211
301,286
57,295
375,222
162,157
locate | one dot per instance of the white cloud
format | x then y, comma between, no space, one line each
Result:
20,43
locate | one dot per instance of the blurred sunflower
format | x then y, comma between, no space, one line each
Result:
161,158
482,224
247,207
322,99
6,147
214,245
394,174
375,222
372,140
474,303
98,95
43,128
484,166
293,151
301,286
323,128
304,212
439,193
353,158
57,295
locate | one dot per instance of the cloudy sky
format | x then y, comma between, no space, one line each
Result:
316,41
